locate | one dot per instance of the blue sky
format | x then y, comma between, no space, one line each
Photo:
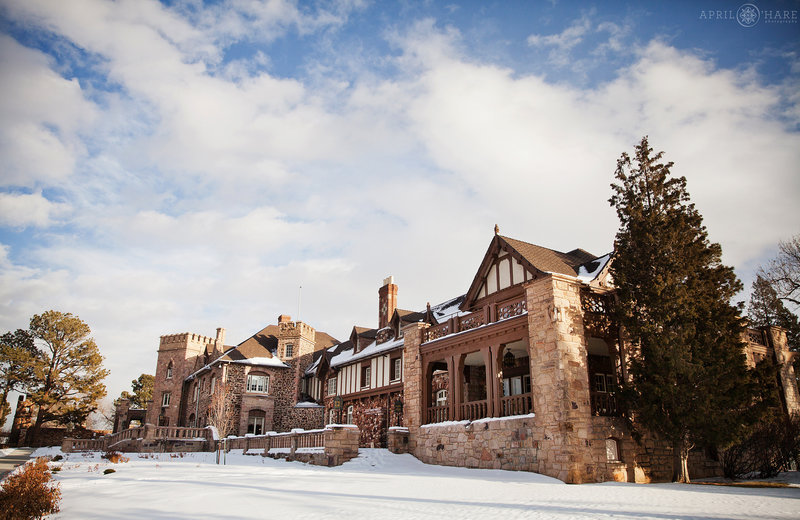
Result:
186,165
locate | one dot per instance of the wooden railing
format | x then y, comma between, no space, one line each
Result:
520,404
437,414
604,404
489,314
472,410
287,440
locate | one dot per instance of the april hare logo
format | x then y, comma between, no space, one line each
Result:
748,15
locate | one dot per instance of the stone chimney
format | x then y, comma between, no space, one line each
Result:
219,342
387,301
284,318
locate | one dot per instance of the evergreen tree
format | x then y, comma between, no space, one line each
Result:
142,388
688,381
68,374
17,352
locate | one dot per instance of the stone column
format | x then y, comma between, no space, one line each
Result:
559,378
413,404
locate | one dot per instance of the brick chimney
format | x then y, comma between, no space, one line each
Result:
387,301
284,318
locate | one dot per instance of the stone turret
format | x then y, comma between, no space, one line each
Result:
177,359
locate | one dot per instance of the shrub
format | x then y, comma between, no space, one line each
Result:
109,470
57,458
769,449
29,493
115,457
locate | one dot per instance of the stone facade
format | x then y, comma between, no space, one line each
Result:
190,366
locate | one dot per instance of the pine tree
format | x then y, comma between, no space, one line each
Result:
688,381
142,388
68,374
17,352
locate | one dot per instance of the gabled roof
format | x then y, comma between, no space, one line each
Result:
537,259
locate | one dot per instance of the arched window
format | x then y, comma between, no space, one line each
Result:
255,422
349,415
612,450
169,370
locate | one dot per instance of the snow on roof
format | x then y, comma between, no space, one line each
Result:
596,266
308,404
446,310
262,362
372,349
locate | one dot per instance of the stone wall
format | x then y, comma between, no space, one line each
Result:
498,443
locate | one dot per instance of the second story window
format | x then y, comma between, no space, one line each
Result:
396,369
165,397
169,370
258,383
332,386
366,374
289,350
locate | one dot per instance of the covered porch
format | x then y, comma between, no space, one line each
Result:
480,372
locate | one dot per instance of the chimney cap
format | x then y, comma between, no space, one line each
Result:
389,280
284,318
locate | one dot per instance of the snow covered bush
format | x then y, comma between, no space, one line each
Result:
29,493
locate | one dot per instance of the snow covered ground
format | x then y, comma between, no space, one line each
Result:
379,485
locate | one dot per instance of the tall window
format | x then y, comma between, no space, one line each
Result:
396,369
258,383
289,350
213,384
332,416
169,370
349,415
196,391
255,422
366,373
165,397
516,385
332,386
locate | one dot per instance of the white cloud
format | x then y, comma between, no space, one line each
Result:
42,115
22,210
562,44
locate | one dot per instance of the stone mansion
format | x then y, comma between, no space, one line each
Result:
518,373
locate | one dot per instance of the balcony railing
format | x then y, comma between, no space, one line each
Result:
473,410
604,404
489,314
437,414
520,404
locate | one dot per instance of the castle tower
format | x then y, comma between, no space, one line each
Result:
295,338
177,356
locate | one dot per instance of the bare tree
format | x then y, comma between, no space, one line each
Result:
783,273
221,409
